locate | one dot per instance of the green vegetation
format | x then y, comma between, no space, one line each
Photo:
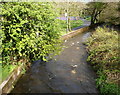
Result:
107,12
63,26
0,73
103,55
6,70
29,31
73,24
72,8
94,10
88,18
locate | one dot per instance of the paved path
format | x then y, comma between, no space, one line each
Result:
65,73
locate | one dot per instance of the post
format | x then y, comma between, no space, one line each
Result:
66,15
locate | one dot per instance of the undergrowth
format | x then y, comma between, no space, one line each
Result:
104,57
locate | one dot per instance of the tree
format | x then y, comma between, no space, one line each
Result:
74,8
111,13
94,10
71,8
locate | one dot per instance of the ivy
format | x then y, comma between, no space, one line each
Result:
29,30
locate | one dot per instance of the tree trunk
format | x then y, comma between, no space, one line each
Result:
92,20
92,17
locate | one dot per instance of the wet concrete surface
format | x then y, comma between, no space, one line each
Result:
65,73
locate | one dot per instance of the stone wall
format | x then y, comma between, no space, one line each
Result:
73,33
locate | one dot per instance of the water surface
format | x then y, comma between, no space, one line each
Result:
65,73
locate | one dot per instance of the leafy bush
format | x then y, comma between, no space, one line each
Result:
29,30
104,56
106,86
103,48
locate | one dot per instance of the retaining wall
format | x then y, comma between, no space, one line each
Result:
7,85
73,33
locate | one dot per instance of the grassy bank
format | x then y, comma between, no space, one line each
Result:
103,56
6,71
76,23
88,18
73,24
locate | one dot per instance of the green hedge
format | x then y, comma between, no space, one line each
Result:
29,31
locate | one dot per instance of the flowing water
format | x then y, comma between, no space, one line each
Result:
65,73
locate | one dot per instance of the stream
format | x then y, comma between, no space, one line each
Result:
65,73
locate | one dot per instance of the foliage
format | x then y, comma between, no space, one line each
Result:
94,10
103,48
73,24
88,18
29,30
0,73
6,70
103,55
73,8
107,88
76,23
111,13
103,12
63,26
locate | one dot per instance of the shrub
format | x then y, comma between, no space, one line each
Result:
104,56
29,30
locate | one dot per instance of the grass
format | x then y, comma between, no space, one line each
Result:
73,24
6,70
76,23
103,56
0,73
88,18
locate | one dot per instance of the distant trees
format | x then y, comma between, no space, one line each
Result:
111,13
99,11
94,10
73,8
103,12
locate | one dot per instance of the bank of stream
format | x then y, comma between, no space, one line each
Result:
65,73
